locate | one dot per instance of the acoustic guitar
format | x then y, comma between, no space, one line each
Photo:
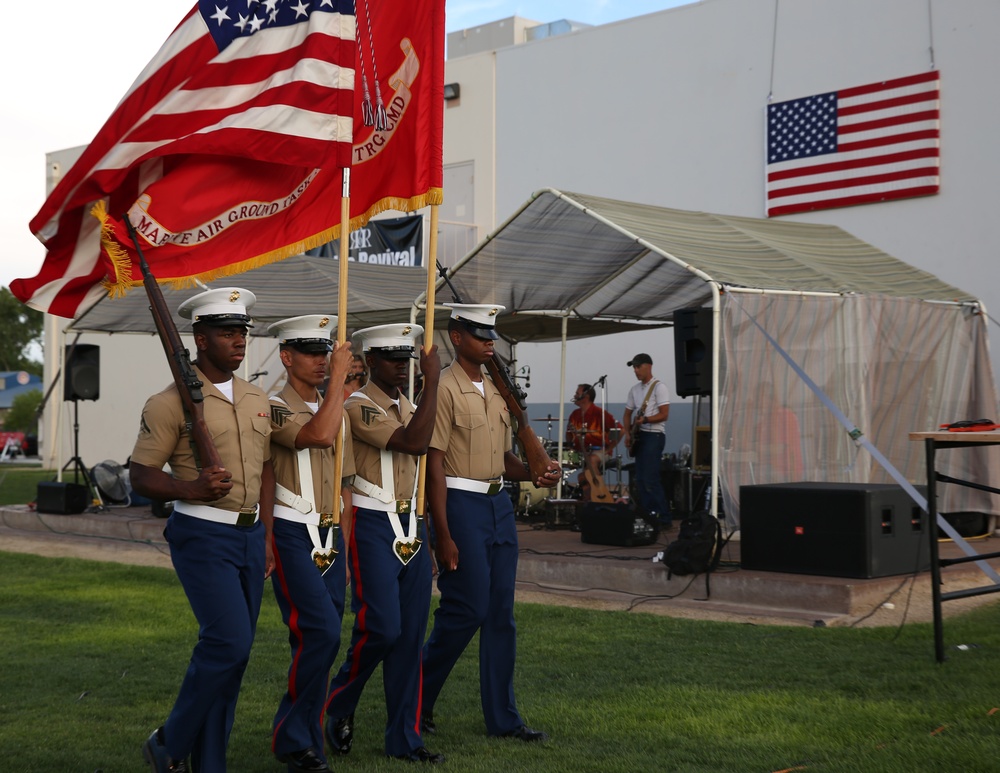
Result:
598,488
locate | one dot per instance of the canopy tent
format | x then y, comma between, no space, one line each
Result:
308,284
896,348
299,285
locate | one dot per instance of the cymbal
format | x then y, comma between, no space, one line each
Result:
548,418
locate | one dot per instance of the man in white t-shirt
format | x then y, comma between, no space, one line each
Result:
645,420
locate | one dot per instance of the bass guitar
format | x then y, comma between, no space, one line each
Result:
632,431
632,436
516,400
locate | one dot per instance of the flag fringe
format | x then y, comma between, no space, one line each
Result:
119,257
123,280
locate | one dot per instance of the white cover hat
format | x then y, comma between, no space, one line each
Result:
309,333
226,306
480,319
396,341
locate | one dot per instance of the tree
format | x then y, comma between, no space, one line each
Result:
23,413
22,327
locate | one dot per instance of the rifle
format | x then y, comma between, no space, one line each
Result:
515,397
188,384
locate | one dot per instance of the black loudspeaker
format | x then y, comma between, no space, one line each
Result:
616,524
61,498
833,529
83,372
693,351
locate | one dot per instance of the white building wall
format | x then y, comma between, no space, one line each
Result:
668,109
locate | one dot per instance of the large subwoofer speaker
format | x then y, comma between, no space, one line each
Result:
693,351
83,372
61,498
833,529
616,524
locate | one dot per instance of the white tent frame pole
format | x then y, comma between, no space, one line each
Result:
713,507
562,403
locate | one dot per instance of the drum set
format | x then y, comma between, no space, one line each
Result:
557,501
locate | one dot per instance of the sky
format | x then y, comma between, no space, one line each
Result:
73,63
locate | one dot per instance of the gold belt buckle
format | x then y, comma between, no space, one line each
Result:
247,516
403,506
495,486
326,520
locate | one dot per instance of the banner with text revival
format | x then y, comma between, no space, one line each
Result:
396,241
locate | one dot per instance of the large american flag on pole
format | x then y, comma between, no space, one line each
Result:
223,153
854,146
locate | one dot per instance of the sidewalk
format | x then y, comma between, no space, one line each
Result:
556,567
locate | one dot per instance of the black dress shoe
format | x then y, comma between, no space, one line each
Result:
526,734
427,723
340,733
304,761
421,754
155,754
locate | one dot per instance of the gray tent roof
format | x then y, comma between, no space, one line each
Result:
604,265
302,284
601,258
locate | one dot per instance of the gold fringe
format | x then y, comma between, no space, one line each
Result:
433,196
120,259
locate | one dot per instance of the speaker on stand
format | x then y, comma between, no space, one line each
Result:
82,381
693,351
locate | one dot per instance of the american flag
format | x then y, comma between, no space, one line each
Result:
220,152
854,146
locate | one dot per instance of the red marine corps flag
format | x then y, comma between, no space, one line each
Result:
397,163
227,151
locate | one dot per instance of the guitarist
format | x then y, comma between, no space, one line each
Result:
646,411
474,530
593,432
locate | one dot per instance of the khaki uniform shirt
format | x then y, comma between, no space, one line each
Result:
473,432
240,430
372,430
288,415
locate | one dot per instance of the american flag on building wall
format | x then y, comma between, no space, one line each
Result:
854,146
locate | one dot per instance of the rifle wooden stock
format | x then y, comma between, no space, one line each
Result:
188,384
514,396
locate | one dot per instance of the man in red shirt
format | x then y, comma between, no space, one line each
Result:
593,432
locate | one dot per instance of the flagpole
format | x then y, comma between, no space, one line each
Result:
431,262
345,233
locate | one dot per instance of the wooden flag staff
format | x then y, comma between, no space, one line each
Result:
345,234
431,262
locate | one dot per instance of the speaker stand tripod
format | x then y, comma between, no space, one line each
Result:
79,468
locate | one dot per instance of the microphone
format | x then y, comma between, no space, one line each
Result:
600,381
258,374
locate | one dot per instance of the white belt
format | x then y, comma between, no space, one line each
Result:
370,503
309,519
245,517
478,486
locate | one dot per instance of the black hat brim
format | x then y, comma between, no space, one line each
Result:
395,354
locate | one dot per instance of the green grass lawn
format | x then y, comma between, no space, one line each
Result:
94,654
19,483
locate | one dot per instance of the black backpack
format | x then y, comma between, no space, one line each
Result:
698,547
